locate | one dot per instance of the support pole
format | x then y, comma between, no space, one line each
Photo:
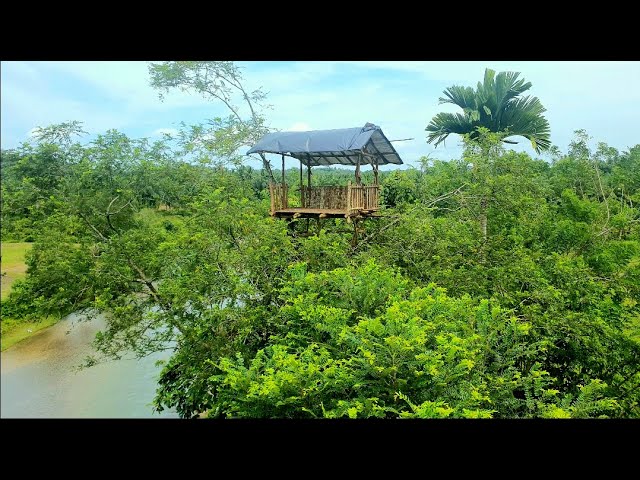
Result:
284,189
309,185
301,185
308,188
272,198
375,171
358,180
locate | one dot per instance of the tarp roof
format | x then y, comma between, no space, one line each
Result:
331,147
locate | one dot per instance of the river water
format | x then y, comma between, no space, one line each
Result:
38,378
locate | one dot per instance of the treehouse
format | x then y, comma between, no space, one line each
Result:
357,147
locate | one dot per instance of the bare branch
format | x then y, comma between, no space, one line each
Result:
98,232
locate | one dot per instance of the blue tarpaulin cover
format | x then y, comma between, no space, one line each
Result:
329,147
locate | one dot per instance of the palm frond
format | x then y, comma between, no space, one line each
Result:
464,97
524,117
444,124
497,104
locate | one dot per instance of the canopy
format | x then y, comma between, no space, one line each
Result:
330,147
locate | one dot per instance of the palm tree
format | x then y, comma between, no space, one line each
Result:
496,104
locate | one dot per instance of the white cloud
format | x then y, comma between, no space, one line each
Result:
127,83
289,77
299,127
25,107
597,96
400,97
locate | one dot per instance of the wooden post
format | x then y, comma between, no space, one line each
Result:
358,181
349,197
283,168
375,171
301,185
284,190
285,195
272,198
308,187
309,184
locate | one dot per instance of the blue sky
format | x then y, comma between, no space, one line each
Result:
399,96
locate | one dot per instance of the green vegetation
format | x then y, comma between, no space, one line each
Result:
12,264
14,331
496,285
14,268
497,104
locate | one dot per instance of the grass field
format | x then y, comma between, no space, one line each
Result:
12,264
13,268
14,331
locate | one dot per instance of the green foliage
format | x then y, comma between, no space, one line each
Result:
58,134
325,251
56,282
218,139
497,104
495,285
400,186
401,351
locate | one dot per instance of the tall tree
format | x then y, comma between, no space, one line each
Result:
220,82
498,105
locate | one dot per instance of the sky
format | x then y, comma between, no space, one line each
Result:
399,96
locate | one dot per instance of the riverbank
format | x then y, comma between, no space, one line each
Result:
14,331
13,267
12,264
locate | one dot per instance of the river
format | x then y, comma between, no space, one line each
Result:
38,378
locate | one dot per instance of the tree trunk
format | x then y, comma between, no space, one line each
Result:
267,166
483,217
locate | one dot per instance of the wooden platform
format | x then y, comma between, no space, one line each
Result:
300,212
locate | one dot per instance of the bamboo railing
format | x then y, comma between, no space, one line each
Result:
279,194
348,199
363,197
329,197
